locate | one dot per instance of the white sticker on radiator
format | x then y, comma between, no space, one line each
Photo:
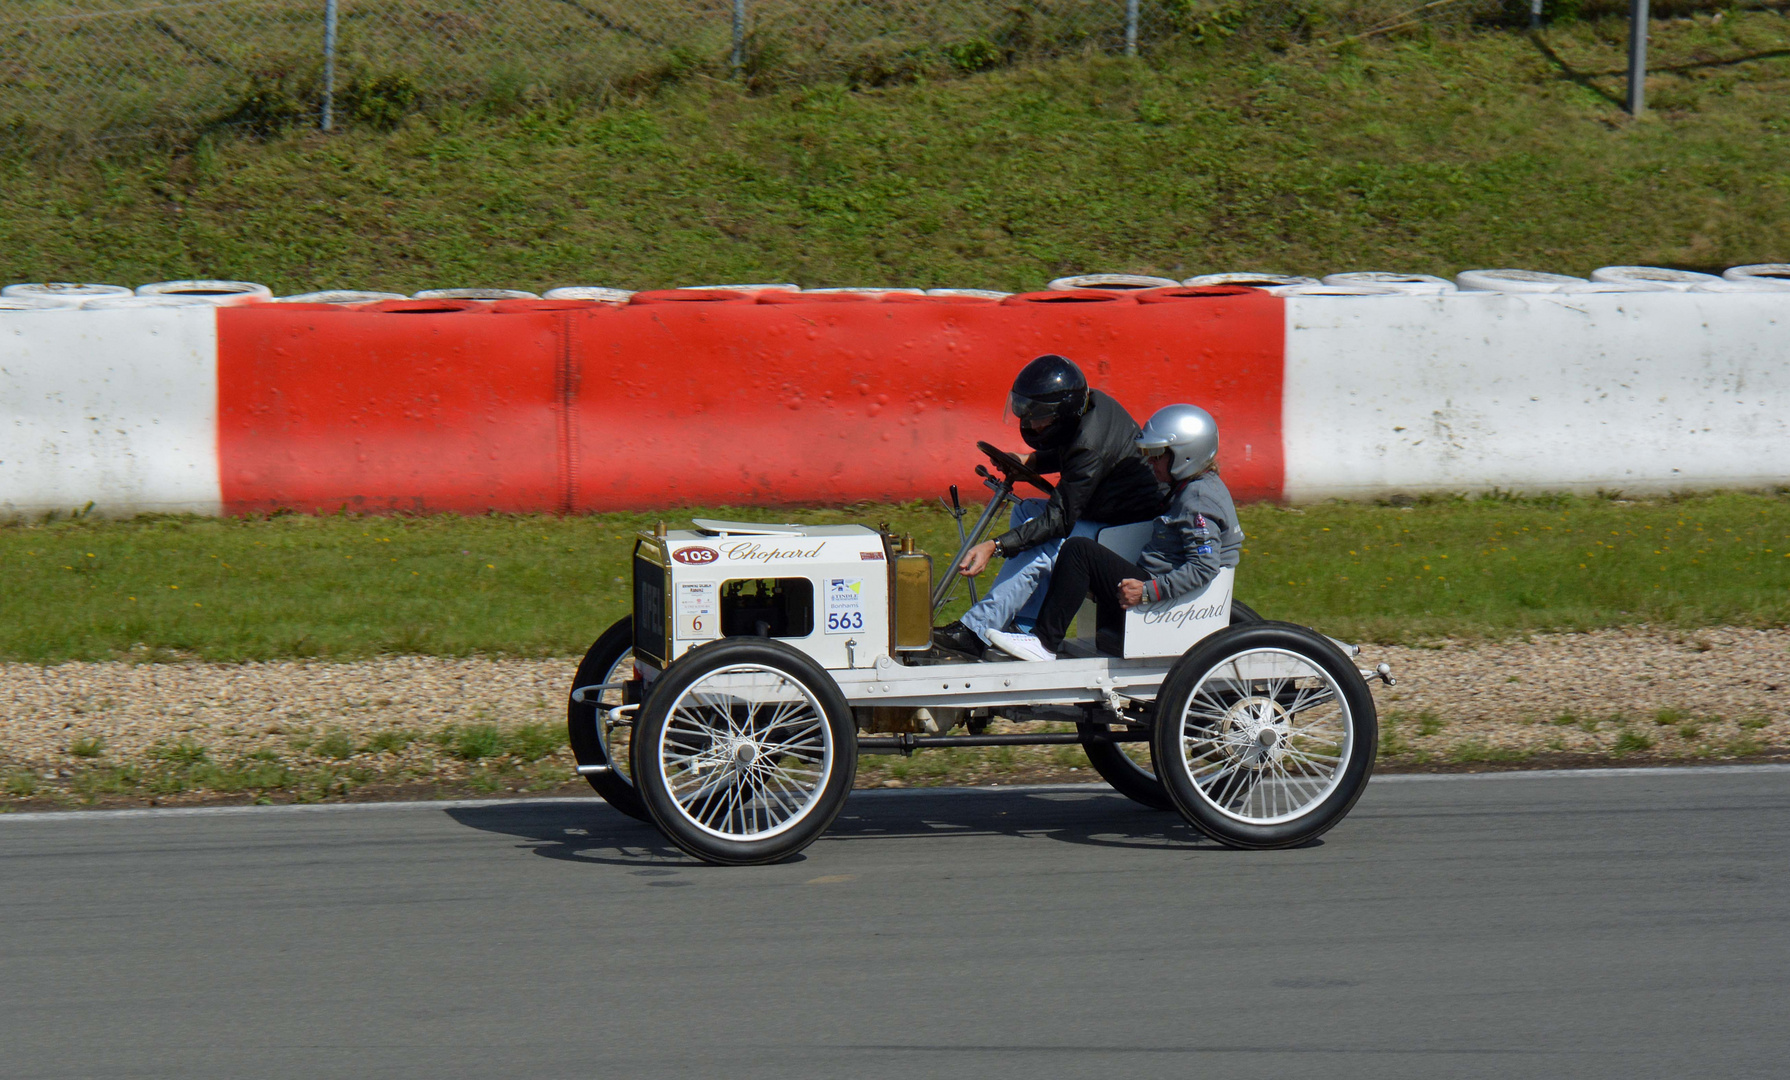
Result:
698,610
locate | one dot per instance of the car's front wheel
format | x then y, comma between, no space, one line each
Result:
745,751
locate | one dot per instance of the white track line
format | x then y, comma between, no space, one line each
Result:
1023,789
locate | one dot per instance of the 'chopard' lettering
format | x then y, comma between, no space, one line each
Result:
1177,619
750,551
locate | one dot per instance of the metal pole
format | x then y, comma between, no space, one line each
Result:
1637,57
1130,27
329,63
739,37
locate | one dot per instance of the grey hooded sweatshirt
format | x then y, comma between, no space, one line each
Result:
1195,537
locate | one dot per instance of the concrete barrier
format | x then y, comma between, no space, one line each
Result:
1643,392
698,398
114,408
690,397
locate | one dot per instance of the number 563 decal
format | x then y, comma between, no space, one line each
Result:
845,605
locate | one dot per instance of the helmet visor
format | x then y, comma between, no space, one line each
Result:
1034,412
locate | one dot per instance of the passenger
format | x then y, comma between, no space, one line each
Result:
1090,440
1195,538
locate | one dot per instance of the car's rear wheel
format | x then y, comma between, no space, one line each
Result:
744,752
1265,735
1129,767
597,744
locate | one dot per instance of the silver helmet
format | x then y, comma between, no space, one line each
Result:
1187,433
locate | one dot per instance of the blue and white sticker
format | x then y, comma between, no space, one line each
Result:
845,605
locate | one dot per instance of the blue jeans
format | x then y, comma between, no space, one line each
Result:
1017,595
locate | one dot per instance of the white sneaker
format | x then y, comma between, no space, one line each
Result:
1024,646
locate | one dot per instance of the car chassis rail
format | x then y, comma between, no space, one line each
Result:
907,743
1065,681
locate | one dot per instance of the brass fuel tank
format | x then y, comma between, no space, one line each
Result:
913,598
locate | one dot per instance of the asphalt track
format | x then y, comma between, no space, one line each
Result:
1531,925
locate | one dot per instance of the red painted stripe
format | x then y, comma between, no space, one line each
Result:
665,404
380,410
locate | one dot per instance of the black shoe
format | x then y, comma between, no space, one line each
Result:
959,638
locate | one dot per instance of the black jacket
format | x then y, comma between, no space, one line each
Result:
1103,478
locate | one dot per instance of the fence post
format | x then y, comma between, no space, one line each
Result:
739,37
1130,27
329,64
1637,56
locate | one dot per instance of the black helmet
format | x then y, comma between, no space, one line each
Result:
1048,389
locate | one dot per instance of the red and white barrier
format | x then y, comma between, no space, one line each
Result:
117,408
698,397
685,397
1641,392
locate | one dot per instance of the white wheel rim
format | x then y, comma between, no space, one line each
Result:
745,752
614,740
1266,736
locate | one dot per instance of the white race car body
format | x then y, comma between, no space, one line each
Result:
828,591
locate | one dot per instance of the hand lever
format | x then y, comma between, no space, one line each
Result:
962,539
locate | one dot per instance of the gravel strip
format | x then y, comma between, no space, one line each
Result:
1688,693
1667,693
305,714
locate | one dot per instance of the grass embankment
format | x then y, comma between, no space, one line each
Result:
350,587
1482,148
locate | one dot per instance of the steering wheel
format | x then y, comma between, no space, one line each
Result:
1015,470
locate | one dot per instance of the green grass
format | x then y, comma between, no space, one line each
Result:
527,757
181,753
164,778
1474,751
1424,153
476,742
336,744
347,587
292,586
1500,567
390,741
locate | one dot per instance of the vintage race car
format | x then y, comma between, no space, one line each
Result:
729,708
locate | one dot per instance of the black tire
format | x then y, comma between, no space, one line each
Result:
583,724
1127,775
796,793
1264,781
1131,777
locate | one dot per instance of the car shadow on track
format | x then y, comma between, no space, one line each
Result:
596,833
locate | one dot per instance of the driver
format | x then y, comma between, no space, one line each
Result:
1090,440
1195,538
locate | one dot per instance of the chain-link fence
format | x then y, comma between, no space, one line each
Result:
104,68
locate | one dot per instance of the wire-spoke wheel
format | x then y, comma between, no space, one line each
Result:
744,752
1129,767
1269,735
597,741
